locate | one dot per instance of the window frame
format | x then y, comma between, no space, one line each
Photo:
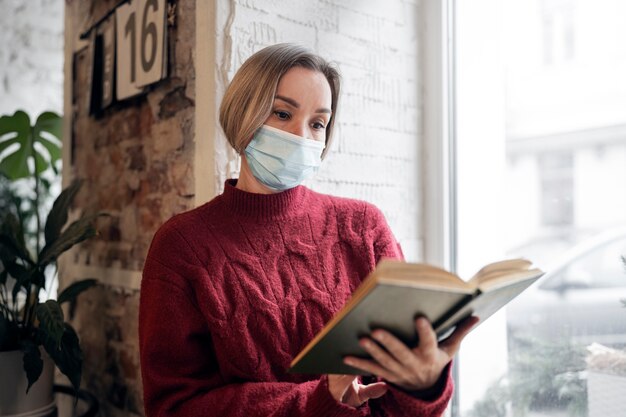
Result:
439,218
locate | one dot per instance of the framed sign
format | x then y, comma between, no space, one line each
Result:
142,44
126,85
106,31
151,38
129,49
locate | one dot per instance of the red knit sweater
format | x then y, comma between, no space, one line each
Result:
234,289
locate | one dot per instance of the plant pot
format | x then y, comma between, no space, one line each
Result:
14,402
606,381
606,394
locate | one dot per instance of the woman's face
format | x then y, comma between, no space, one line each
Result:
302,104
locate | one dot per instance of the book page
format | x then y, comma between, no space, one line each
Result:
508,278
418,275
498,269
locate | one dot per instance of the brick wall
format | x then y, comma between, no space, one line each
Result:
136,161
31,56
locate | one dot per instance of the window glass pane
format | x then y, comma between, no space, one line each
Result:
541,164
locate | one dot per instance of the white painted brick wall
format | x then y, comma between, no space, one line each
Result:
375,43
376,152
31,56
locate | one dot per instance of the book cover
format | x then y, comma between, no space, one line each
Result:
396,292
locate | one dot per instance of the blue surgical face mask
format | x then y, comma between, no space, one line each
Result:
281,160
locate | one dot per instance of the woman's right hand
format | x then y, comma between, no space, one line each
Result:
347,389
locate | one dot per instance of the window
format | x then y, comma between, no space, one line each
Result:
539,173
557,186
558,31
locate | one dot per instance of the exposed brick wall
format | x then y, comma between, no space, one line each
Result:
31,56
106,319
376,46
136,161
136,158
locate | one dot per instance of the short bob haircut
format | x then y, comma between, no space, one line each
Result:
249,98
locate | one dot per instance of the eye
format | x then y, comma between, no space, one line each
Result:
318,126
282,115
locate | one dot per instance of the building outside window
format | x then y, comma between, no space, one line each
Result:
540,121
557,186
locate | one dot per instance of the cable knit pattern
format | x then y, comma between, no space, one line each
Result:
234,289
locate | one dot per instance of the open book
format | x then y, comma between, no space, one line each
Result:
396,292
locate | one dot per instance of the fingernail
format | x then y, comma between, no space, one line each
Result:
348,361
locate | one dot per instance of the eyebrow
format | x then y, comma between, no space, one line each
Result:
295,104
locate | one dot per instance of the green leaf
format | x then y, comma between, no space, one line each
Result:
3,276
15,165
54,150
6,142
45,184
22,276
33,364
11,124
16,129
41,164
8,249
38,278
51,320
58,213
50,122
67,356
12,238
71,292
76,232
17,271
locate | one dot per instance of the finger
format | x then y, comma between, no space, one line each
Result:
369,366
382,357
398,350
371,391
427,338
452,344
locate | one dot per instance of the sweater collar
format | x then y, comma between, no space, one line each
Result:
262,206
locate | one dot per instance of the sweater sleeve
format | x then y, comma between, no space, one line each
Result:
180,370
400,403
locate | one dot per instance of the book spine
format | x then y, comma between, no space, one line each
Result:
451,312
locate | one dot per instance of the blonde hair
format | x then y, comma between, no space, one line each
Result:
249,98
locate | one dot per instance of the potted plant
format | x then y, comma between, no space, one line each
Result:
33,333
606,375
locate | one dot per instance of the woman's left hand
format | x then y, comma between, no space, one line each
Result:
411,369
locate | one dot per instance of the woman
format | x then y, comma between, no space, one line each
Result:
234,289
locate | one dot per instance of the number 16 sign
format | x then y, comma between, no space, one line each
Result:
141,45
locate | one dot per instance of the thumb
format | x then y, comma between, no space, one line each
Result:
375,390
338,385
